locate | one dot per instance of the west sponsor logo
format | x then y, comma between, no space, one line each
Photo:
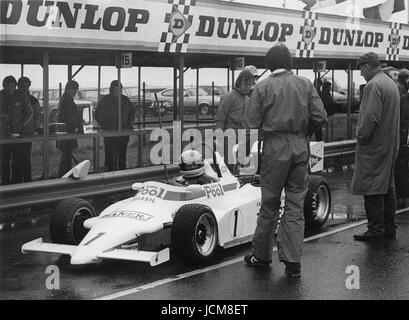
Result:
214,190
128,214
314,160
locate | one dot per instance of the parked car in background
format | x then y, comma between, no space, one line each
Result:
147,105
53,100
205,101
218,90
341,99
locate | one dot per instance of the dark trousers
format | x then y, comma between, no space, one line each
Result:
27,161
402,173
115,153
380,210
318,133
13,159
66,160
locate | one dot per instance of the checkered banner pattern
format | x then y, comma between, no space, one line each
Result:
171,42
392,54
305,49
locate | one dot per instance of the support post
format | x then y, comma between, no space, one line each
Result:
175,93
197,96
141,109
96,140
181,89
46,164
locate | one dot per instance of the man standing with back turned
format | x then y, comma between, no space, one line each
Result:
286,108
377,132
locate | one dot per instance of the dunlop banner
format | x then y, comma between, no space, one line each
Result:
196,26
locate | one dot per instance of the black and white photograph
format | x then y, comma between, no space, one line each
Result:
206,156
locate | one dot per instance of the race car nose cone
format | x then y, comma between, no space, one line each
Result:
82,257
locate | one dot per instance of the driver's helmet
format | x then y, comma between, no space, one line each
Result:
191,164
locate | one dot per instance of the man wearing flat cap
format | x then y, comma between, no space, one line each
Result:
377,132
402,161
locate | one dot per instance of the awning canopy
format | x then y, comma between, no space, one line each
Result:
209,33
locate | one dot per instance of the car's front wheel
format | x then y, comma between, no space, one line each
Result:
67,223
194,234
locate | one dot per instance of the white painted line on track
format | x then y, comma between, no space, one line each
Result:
224,264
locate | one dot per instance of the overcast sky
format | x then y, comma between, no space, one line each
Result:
88,76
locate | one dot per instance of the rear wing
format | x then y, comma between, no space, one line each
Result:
316,161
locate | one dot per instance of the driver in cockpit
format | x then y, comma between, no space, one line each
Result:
192,169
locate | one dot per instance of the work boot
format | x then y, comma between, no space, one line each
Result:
252,261
390,235
367,236
292,269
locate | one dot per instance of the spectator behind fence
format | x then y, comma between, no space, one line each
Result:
69,113
106,115
16,106
255,74
402,161
24,84
9,87
285,108
231,110
377,132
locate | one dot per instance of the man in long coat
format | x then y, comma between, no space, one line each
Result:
377,134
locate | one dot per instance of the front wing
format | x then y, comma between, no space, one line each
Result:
154,258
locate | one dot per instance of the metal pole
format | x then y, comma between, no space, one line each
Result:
181,88
212,99
197,96
332,85
175,94
46,164
69,72
96,139
119,95
22,70
349,102
228,79
139,98
139,118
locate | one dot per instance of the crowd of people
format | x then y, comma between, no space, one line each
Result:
287,110
20,116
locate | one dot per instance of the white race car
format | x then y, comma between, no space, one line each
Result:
192,220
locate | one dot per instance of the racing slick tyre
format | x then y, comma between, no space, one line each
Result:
204,109
66,225
194,233
317,205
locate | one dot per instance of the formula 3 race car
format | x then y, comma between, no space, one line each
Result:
193,220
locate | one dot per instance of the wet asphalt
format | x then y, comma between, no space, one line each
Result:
383,267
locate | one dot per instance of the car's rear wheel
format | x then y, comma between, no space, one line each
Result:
317,205
194,233
204,109
67,223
